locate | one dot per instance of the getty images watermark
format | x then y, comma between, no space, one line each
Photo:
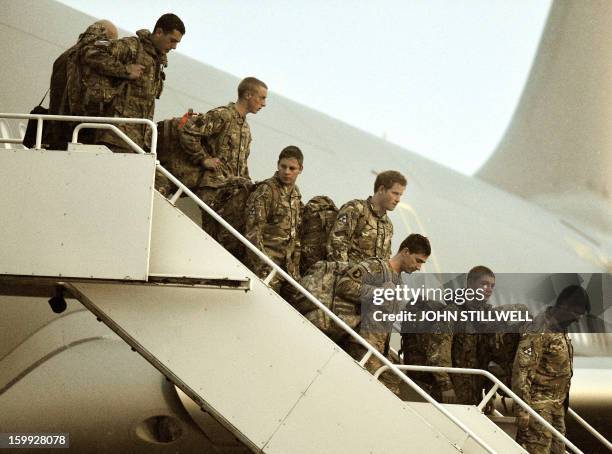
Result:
433,303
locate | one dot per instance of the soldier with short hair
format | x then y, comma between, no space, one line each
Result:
543,370
226,138
362,228
273,218
358,284
136,66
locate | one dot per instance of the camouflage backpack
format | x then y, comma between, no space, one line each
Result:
171,157
319,215
321,281
229,204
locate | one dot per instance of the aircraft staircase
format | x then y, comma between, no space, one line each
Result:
251,370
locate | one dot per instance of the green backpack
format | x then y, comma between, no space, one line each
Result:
319,215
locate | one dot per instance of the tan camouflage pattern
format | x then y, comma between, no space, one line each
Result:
319,216
429,349
320,281
229,203
541,377
67,85
136,98
357,285
180,151
359,233
273,218
89,92
227,136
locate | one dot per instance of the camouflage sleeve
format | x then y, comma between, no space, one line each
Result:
257,207
439,347
387,252
190,138
107,57
339,241
214,121
526,361
350,284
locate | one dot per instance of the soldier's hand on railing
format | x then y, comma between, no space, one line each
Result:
212,163
134,71
449,396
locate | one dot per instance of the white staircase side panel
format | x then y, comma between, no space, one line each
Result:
77,214
490,432
179,247
265,372
346,410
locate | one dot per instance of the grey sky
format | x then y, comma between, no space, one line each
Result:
438,77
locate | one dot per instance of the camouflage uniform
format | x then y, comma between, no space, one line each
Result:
470,349
430,349
135,98
359,233
355,286
273,218
541,377
64,82
180,151
226,136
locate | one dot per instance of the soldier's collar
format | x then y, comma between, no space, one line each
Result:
371,207
232,108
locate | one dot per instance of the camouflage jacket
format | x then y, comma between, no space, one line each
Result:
135,98
543,364
361,279
357,286
227,136
359,233
431,348
180,147
273,219
65,77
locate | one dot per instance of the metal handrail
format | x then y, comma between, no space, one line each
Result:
499,384
112,120
590,429
265,259
317,303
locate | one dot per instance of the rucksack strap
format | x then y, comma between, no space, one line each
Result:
43,98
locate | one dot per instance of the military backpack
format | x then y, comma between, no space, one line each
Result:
319,215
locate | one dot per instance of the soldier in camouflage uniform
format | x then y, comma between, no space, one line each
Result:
135,65
432,348
64,83
358,284
362,228
543,371
227,137
470,349
273,218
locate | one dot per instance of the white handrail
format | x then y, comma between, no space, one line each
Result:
590,428
111,120
499,383
264,258
321,306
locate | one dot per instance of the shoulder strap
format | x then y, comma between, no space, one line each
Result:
43,98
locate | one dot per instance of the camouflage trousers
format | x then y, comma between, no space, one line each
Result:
378,341
536,439
209,225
